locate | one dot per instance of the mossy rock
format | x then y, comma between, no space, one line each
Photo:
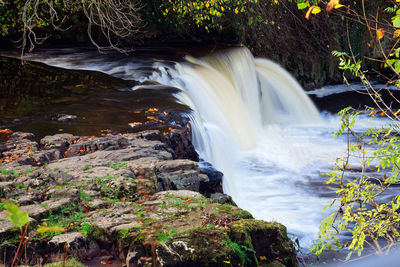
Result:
200,247
268,240
183,228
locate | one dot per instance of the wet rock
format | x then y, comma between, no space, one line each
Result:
179,175
215,177
180,142
66,118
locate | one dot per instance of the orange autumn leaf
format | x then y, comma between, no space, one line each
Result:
333,4
380,33
263,258
396,34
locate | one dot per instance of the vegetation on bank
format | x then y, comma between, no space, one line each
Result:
269,28
360,206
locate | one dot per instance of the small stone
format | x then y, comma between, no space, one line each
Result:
221,198
66,118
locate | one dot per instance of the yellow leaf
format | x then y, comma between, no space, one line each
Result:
397,112
312,10
316,10
45,229
331,5
380,33
396,33
373,112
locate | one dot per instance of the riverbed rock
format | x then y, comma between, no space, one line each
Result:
129,195
66,118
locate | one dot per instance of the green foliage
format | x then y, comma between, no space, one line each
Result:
207,13
358,208
12,11
117,166
5,172
67,263
16,216
162,237
70,218
242,251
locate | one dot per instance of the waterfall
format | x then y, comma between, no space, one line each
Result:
240,106
233,96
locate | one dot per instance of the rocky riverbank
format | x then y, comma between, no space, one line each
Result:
133,199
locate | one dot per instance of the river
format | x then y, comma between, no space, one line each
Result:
252,121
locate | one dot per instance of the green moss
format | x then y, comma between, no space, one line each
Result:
260,236
234,211
68,263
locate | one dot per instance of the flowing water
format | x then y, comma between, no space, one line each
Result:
253,122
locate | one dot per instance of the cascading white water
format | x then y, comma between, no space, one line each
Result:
242,110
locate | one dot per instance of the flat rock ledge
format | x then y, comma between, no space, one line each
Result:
127,200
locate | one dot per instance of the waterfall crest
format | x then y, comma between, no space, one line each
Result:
237,94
